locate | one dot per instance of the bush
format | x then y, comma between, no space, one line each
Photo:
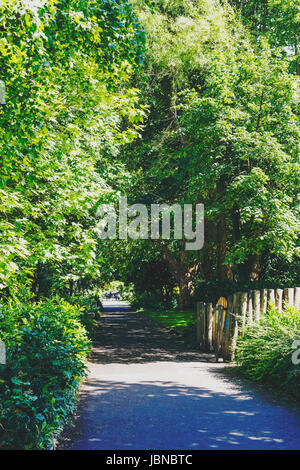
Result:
46,351
211,291
90,307
265,350
153,301
147,300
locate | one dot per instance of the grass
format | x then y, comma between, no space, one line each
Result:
177,319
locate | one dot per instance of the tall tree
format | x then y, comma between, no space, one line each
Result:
64,64
222,129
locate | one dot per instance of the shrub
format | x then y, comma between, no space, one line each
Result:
90,307
153,301
46,351
211,291
265,350
147,300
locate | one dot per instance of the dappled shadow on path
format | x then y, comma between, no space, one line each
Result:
129,337
147,391
165,415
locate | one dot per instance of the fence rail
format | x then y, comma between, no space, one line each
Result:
218,326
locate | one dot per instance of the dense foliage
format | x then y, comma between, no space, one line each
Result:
47,347
64,65
222,129
218,82
164,101
266,349
67,110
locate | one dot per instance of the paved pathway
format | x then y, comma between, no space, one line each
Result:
147,391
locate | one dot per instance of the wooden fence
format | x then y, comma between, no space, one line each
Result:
218,326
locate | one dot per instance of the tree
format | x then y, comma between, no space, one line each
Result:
277,20
244,138
222,129
64,65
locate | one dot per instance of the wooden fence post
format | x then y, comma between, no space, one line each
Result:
250,307
217,327
216,324
221,322
271,296
198,329
209,322
228,329
256,305
200,324
203,327
263,301
214,328
288,297
243,308
278,299
297,297
235,323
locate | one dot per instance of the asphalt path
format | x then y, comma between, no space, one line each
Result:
146,390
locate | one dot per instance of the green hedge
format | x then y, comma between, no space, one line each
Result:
152,301
265,350
90,306
46,350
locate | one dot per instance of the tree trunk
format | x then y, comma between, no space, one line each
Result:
223,271
254,267
206,267
181,273
35,286
184,292
235,218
